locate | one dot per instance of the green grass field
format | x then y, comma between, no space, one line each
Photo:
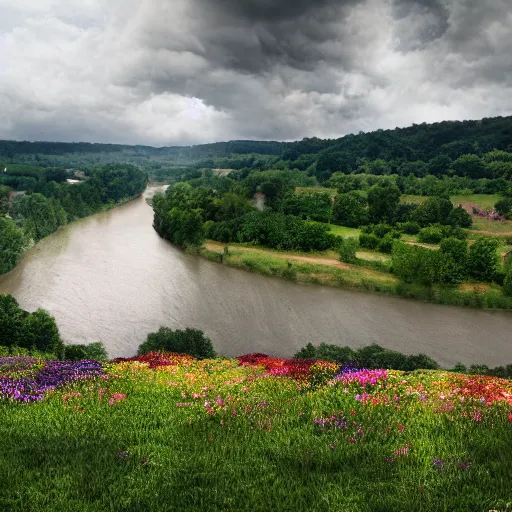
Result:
215,436
344,231
483,200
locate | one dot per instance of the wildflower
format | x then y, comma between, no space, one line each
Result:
117,398
67,396
122,455
438,463
477,416
400,427
510,418
331,447
220,402
465,465
402,451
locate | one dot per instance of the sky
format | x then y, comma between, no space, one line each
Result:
182,72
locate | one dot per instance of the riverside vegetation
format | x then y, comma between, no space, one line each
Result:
47,201
331,429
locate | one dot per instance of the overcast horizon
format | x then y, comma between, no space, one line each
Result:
184,72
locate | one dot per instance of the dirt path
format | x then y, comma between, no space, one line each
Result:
219,247
318,260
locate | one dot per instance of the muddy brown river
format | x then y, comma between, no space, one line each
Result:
111,278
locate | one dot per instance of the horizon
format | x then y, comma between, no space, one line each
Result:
186,72
245,140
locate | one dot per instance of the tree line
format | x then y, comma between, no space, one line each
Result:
50,204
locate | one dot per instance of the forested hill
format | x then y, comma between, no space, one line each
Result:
424,142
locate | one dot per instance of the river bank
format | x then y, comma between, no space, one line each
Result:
110,277
369,276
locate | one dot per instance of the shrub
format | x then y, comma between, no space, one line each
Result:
368,241
93,351
410,228
507,284
386,244
348,249
189,341
381,230
459,217
483,259
430,235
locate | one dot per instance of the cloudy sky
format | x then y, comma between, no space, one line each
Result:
168,72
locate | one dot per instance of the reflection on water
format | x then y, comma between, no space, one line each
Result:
111,278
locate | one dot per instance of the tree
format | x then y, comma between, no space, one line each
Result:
459,217
189,341
93,351
432,211
350,209
470,165
383,202
11,321
439,165
483,259
348,249
4,199
12,244
507,284
40,332
504,208
455,262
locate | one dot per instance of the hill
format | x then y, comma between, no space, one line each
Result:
165,432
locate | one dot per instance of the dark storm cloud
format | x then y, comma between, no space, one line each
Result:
191,71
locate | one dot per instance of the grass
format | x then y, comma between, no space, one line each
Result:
344,231
370,274
483,200
214,436
491,226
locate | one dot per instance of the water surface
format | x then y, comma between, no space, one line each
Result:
111,278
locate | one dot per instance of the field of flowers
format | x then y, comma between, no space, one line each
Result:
166,432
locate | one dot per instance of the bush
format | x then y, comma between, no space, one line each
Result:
348,249
430,235
93,351
483,259
507,284
410,228
190,341
386,244
459,217
371,356
369,241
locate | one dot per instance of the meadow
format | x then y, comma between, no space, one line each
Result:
164,432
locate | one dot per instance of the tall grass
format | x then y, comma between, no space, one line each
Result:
212,436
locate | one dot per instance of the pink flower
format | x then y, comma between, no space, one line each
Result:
402,451
70,395
117,398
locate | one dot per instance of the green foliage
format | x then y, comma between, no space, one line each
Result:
32,331
92,351
383,203
369,241
348,249
350,209
504,208
431,235
507,284
371,357
189,341
308,205
459,217
470,165
410,228
12,244
483,262
434,210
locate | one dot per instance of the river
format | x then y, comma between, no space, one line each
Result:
111,278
